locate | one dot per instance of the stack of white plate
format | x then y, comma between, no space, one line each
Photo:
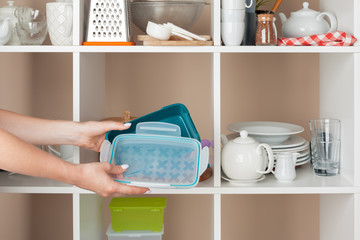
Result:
295,144
280,136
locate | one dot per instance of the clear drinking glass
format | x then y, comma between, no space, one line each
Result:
31,26
325,146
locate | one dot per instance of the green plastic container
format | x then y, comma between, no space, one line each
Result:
137,214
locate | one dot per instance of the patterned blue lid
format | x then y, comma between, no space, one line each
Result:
156,160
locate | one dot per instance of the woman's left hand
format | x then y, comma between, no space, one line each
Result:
92,133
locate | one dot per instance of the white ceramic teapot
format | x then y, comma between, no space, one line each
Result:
306,22
243,158
5,31
8,12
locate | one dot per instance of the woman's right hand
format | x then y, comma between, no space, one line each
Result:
98,177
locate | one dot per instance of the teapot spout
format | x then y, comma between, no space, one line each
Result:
4,27
283,18
224,139
5,31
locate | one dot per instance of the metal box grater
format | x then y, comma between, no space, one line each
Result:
109,23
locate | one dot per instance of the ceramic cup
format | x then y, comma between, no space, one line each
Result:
232,33
285,166
236,4
232,15
64,152
60,22
250,6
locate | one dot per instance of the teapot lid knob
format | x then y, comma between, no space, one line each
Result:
306,5
244,138
243,134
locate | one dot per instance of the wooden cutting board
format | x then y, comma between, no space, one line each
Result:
174,41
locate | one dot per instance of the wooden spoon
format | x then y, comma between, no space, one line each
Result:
276,5
125,118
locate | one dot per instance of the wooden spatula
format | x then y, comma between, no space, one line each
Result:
276,5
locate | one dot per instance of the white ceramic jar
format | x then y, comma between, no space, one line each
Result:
245,159
9,12
306,22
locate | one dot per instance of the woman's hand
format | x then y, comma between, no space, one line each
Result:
92,134
98,177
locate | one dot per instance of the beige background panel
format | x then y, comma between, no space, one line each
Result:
136,85
272,217
255,89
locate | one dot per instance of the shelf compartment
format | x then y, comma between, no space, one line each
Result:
108,88
306,182
36,216
40,87
95,216
52,216
18,183
258,217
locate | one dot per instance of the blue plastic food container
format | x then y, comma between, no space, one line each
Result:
157,156
176,114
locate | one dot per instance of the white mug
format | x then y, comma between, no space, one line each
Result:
64,152
235,4
285,166
232,15
232,33
60,22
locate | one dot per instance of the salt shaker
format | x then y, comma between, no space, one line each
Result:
266,33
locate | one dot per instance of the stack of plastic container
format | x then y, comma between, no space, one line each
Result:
136,218
162,149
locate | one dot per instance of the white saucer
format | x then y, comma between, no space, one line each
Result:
292,141
241,181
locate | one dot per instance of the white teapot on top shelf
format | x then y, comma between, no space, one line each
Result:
5,31
243,158
306,22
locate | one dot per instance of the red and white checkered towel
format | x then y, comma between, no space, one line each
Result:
328,39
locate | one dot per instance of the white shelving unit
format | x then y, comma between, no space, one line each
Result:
339,98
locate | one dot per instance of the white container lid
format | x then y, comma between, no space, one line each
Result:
133,233
8,11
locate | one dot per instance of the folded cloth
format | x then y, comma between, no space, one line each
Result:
337,38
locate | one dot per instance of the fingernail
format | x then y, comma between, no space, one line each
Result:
127,124
148,191
125,166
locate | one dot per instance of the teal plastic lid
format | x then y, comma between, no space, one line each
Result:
176,114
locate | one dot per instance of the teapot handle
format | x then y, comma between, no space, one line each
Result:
270,155
332,18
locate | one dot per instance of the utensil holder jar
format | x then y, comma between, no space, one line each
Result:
266,33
